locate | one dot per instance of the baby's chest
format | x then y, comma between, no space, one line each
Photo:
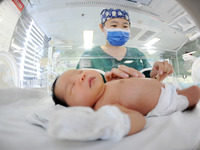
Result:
124,90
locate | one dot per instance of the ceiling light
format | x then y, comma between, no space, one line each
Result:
151,42
189,53
188,56
88,38
194,37
151,52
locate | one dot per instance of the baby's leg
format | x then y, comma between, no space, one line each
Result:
193,95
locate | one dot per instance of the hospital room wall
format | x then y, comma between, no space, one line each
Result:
29,46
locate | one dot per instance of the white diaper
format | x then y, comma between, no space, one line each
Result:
169,102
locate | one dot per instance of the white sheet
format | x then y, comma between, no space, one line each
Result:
179,131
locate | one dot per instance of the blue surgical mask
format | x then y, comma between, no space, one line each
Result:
117,36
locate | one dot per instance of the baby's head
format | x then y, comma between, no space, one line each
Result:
78,88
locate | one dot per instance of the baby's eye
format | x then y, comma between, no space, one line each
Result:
73,84
125,26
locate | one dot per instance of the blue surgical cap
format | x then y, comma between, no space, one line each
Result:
107,14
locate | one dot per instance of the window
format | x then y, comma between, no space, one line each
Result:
28,46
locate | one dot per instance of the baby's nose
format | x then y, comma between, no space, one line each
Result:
82,77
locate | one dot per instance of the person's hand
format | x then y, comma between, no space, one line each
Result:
122,72
161,70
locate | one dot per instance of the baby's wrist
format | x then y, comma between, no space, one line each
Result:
127,124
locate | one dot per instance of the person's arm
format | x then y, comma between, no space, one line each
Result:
137,120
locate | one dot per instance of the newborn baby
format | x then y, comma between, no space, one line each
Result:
136,97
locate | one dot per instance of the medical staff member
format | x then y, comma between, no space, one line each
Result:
117,60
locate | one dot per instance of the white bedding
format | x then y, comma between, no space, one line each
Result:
179,131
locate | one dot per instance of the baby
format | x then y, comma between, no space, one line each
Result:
137,97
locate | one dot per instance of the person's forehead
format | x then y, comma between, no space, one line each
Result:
118,20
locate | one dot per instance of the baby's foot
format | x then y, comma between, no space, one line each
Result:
193,95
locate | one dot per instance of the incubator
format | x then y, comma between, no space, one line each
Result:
44,44
8,71
40,39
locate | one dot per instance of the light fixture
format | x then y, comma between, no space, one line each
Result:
151,52
88,38
194,36
188,56
189,53
151,42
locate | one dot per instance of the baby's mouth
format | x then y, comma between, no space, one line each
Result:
90,81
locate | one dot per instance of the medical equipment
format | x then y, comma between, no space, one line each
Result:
8,70
180,130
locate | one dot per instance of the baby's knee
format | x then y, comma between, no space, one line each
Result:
197,91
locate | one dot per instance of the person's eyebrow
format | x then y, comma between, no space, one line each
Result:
118,22
125,22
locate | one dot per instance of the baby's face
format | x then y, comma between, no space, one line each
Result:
80,87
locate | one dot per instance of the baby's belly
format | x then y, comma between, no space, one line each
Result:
142,97
144,107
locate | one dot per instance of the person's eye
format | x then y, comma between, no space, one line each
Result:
125,27
114,25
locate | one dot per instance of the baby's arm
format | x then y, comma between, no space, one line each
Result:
137,120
